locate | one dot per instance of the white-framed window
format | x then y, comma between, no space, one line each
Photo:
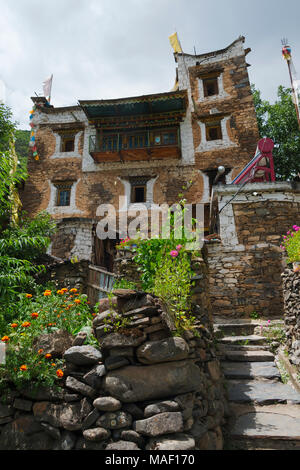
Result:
67,144
211,87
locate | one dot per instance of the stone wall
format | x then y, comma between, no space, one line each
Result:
245,268
64,273
291,286
141,388
73,239
245,281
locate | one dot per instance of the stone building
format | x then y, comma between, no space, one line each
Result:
145,148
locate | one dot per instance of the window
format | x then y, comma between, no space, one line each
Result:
210,87
63,197
213,131
165,137
68,143
138,194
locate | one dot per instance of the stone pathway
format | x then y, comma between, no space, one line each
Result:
265,413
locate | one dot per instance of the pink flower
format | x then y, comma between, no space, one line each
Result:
174,253
178,247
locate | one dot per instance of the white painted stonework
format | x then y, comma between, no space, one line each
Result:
59,154
206,196
53,209
126,205
221,95
223,143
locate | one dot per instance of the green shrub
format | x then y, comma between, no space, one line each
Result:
35,315
291,244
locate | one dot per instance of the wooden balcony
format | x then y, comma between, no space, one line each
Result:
116,150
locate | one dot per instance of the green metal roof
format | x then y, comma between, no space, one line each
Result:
141,105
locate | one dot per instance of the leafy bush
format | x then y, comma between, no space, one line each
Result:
173,284
20,245
291,244
45,313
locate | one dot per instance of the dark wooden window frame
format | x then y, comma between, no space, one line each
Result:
210,87
133,193
216,127
60,188
66,140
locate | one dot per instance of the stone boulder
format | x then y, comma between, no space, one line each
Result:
83,355
68,415
24,433
140,383
107,404
116,340
176,442
55,343
122,445
163,423
106,304
166,350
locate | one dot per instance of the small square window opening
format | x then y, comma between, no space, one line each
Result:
213,132
138,194
67,144
63,196
211,87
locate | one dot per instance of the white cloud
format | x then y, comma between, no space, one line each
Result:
116,48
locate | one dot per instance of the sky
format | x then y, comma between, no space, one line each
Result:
100,49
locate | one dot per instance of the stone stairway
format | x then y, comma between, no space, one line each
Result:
265,412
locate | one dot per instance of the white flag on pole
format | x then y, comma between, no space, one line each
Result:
47,85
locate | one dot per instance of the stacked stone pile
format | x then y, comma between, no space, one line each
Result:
141,388
291,296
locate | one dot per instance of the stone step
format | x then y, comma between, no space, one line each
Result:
240,329
261,393
250,370
249,347
243,340
248,356
262,428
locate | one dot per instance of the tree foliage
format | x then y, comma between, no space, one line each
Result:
23,241
22,145
7,128
278,121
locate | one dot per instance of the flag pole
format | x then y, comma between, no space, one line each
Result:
294,93
287,54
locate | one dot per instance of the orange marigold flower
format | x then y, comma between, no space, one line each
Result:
5,339
53,365
58,316
59,292
94,314
28,296
47,292
59,373
77,301
14,325
26,324
34,315
40,351
23,367
49,324
73,290
48,356
64,289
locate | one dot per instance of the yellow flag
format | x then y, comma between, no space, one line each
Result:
175,42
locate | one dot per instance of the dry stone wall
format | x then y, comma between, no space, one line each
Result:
141,387
291,289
